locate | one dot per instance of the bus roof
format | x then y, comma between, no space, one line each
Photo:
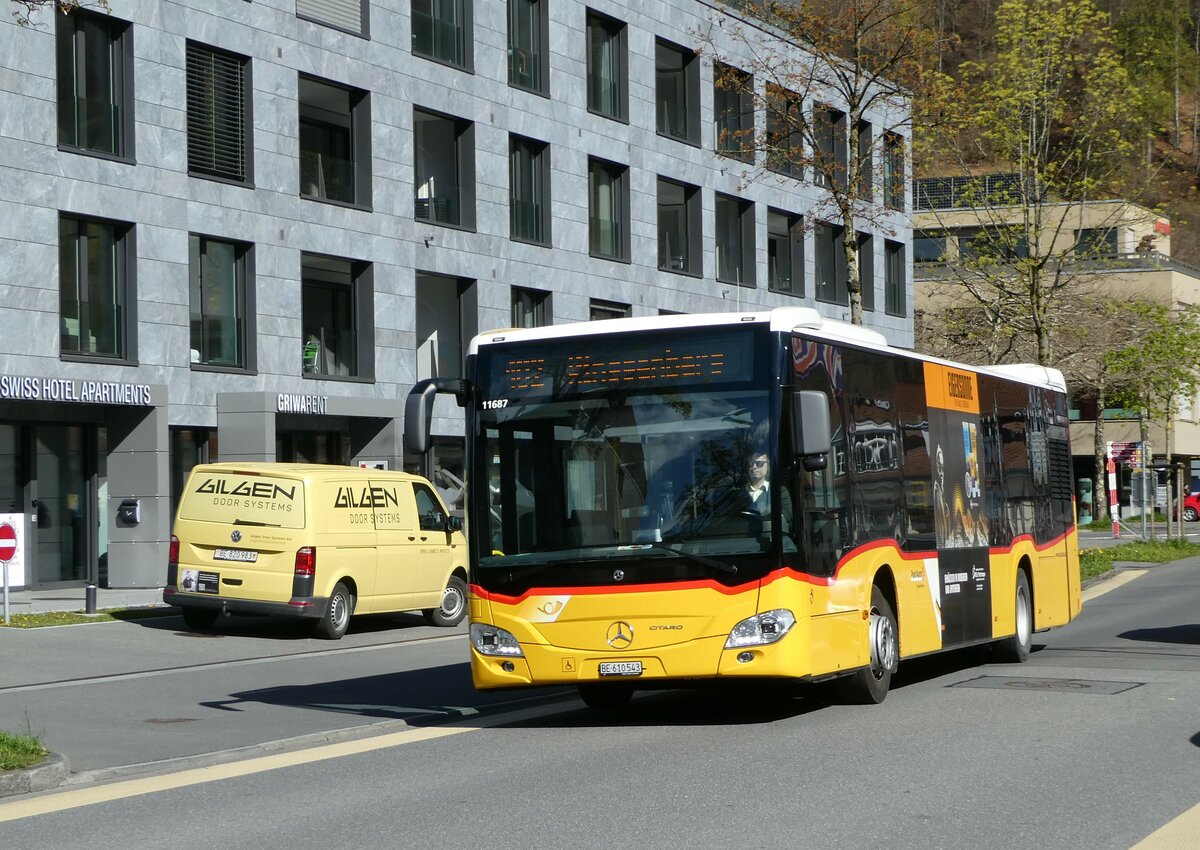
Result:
782,319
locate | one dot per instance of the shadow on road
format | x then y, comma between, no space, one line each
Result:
1188,634
281,628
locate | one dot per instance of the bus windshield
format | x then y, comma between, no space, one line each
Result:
578,473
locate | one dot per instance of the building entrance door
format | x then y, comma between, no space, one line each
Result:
63,508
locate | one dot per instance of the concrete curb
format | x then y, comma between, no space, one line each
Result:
41,777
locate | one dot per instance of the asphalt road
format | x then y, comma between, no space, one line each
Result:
1092,743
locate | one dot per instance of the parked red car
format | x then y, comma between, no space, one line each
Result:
1191,507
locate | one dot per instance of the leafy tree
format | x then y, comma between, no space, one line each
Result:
838,64
1049,125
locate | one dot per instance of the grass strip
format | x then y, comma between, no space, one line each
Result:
68,618
17,751
1094,561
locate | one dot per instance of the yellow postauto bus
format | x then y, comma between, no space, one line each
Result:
763,495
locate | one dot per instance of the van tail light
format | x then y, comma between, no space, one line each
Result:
306,561
304,577
173,563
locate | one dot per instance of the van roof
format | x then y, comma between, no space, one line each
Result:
305,470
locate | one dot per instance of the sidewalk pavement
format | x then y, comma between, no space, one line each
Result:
75,599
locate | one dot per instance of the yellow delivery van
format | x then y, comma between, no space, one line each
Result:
314,541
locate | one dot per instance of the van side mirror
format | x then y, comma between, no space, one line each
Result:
453,523
810,428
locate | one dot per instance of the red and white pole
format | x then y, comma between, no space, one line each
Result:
1113,508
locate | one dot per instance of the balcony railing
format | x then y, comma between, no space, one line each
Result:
1151,261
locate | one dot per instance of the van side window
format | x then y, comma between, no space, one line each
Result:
429,510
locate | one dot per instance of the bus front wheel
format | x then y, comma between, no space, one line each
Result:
869,686
605,697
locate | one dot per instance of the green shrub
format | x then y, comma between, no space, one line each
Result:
18,751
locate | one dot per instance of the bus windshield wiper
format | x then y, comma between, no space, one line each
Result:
720,566
255,522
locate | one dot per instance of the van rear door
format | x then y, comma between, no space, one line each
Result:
344,517
238,532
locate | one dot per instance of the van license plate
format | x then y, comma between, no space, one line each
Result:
620,668
244,555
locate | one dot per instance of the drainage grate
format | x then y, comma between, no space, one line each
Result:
1027,683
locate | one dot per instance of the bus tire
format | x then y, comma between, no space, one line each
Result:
201,619
869,686
1015,649
453,607
336,619
605,697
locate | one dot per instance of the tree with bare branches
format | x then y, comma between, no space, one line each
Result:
26,10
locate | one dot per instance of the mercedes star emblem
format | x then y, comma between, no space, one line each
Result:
620,635
618,575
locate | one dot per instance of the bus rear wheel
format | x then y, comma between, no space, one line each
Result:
1016,649
606,697
870,685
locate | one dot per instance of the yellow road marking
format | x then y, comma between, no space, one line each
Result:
1123,577
1179,834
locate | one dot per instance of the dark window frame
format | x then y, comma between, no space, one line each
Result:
356,124
784,133
691,261
733,93
618,174
364,14
124,259
362,310
616,32
120,54
746,249
689,88
539,183
608,310
540,53
244,132
894,195
894,279
464,168
865,190
464,37
535,302
832,148
244,299
829,257
793,237
866,269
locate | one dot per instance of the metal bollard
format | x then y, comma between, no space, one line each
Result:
90,599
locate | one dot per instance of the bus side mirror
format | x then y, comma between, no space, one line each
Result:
418,410
810,428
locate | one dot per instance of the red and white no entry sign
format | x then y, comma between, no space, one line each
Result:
8,542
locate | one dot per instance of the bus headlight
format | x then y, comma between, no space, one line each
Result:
761,629
490,640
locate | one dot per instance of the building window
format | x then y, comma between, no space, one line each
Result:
608,209
348,15
530,308
601,310
445,169
894,278
441,31
528,59
677,91
607,66
735,240
445,323
529,190
218,272
335,143
986,246
893,171
830,264
733,112
785,253
928,247
865,189
1096,242
784,131
678,227
337,317
829,158
96,291
95,83
218,117
866,270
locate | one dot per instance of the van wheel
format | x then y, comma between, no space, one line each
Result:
200,618
453,607
336,620
1016,649
870,686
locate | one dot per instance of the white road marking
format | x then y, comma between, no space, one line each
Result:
1121,578
1178,834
